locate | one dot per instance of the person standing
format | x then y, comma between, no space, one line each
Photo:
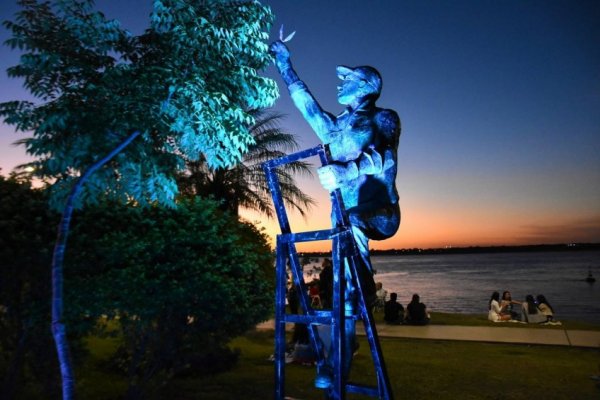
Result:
326,283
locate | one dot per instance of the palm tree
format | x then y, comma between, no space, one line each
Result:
244,185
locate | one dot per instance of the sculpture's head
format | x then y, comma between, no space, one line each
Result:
357,84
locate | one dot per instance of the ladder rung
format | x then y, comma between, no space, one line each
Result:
324,313
362,389
309,319
294,157
310,236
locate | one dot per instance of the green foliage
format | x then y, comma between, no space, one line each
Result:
27,229
185,83
181,282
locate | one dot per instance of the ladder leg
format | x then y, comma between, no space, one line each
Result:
280,287
338,334
383,382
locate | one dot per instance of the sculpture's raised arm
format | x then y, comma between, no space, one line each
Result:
320,121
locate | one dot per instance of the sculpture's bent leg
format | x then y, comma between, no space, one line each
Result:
378,224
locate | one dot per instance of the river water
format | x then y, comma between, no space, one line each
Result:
463,283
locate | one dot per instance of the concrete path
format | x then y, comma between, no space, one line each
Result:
552,336
499,334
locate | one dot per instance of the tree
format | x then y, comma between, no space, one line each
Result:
182,282
244,184
175,297
182,86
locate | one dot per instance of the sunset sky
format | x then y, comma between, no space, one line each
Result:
499,102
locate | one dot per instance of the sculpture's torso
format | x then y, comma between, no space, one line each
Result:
354,132
366,130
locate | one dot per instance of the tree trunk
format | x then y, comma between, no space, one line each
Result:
58,326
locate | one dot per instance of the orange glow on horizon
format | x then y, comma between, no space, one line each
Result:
435,228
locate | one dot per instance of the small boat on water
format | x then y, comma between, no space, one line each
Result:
590,278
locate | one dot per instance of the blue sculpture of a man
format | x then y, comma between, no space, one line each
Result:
363,143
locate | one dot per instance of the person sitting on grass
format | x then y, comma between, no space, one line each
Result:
393,312
507,305
531,313
381,294
545,307
495,313
416,312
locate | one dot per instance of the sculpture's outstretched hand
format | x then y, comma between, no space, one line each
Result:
281,53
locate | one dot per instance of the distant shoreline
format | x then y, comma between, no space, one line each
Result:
475,249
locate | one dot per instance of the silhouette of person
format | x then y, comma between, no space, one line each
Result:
326,283
416,312
363,144
393,312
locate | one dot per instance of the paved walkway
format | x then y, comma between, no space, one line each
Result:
500,334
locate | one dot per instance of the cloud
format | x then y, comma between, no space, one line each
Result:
576,231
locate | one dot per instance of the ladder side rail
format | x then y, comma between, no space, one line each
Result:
337,204
298,280
270,169
372,337
280,343
273,182
338,327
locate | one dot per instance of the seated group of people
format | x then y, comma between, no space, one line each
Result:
533,310
414,314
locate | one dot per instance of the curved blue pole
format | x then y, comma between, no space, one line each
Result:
58,326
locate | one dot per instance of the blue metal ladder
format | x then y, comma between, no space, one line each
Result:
343,251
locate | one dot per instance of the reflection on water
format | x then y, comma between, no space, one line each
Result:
465,282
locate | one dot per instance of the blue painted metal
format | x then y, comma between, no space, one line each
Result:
343,252
280,323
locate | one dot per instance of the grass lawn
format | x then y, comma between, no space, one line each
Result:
418,369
